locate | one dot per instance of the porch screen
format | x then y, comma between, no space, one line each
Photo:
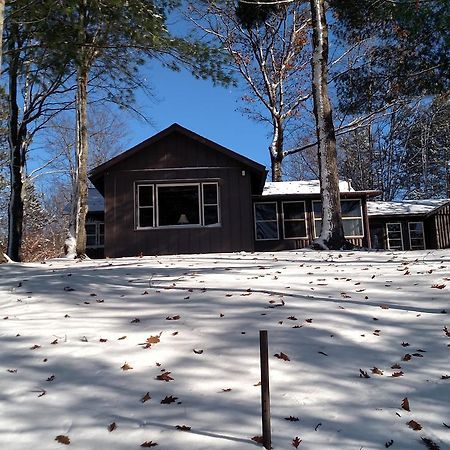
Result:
266,221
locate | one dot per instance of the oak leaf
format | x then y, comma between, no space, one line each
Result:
167,400
296,442
405,404
165,376
282,356
63,439
414,425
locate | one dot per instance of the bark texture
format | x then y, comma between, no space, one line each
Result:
276,149
2,17
332,234
17,146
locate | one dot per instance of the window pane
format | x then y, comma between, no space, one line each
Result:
211,215
266,211
266,230
395,235
102,228
145,217
318,225
145,195
90,240
317,208
393,227
90,228
352,227
293,229
210,194
350,208
178,205
101,240
294,210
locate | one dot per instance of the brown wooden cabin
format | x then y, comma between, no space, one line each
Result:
178,192
410,224
288,215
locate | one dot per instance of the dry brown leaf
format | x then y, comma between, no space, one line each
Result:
183,428
197,352
292,419
121,338
438,286
146,397
431,445
149,444
377,371
226,390
112,426
414,425
396,366
296,442
173,317
126,366
282,356
407,357
405,404
167,400
397,374
363,374
63,439
165,376
258,439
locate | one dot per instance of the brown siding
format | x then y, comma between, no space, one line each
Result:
234,233
442,226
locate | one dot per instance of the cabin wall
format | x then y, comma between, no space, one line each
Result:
441,223
235,233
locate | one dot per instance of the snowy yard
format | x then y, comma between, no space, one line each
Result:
75,362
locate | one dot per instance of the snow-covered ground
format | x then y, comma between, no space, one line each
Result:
74,364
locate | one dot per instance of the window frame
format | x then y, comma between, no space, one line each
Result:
97,234
294,220
276,220
424,247
401,236
155,197
361,217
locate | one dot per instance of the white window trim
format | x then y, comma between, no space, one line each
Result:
361,217
294,220
219,218
276,220
201,204
423,236
387,234
138,208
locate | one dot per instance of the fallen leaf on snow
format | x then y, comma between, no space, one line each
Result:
430,445
173,317
126,366
146,397
397,374
282,356
296,442
63,439
377,371
167,400
405,404
438,286
149,444
197,352
414,425
292,419
258,439
363,374
112,426
183,428
165,376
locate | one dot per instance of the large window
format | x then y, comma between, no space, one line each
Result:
95,234
352,218
266,221
394,236
177,205
294,220
416,235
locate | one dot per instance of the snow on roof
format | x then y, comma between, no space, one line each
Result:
300,187
96,202
404,207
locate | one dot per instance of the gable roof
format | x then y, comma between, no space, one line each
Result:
176,128
405,207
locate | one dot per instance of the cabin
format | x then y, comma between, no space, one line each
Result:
409,224
178,192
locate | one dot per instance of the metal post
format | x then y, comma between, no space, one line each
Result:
265,394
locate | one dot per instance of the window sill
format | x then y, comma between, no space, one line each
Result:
179,227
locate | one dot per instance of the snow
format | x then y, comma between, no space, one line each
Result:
404,207
339,300
300,187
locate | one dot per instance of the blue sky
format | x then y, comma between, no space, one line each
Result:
211,111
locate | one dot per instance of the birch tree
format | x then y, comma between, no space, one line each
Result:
267,46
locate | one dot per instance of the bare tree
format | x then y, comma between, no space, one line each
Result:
270,55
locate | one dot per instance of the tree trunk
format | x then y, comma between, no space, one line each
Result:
276,150
76,239
16,138
332,234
